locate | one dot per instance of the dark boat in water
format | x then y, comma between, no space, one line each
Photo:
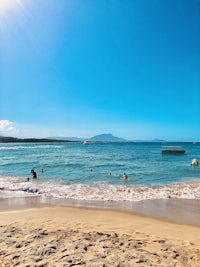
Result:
173,150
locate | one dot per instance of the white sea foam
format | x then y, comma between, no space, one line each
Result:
17,187
18,147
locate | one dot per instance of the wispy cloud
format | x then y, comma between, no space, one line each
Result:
7,127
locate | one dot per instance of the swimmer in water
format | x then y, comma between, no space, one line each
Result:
194,163
125,177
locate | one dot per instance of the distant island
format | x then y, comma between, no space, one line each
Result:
100,138
96,138
106,137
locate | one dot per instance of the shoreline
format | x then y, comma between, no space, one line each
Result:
66,236
179,211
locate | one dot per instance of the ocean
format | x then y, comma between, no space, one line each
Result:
77,172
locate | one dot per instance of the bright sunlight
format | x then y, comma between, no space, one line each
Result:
6,5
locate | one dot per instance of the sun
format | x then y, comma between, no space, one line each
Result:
6,5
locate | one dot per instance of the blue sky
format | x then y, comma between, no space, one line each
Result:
86,67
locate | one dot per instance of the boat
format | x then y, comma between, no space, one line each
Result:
86,142
173,150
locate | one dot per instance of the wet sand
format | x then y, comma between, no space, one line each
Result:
64,236
181,211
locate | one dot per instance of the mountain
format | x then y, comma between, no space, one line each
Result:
106,137
100,137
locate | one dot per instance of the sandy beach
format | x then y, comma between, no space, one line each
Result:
65,236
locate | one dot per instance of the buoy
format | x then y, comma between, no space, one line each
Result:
195,162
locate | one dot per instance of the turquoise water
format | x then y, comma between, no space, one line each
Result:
74,170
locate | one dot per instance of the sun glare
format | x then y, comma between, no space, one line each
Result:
6,5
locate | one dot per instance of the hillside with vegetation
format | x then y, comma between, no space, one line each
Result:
5,139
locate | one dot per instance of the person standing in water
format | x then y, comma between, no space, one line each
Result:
125,177
34,173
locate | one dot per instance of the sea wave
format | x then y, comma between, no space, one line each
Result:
18,147
97,191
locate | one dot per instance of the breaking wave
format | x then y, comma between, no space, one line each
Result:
97,191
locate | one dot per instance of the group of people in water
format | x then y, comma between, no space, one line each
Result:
124,176
34,174
194,163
